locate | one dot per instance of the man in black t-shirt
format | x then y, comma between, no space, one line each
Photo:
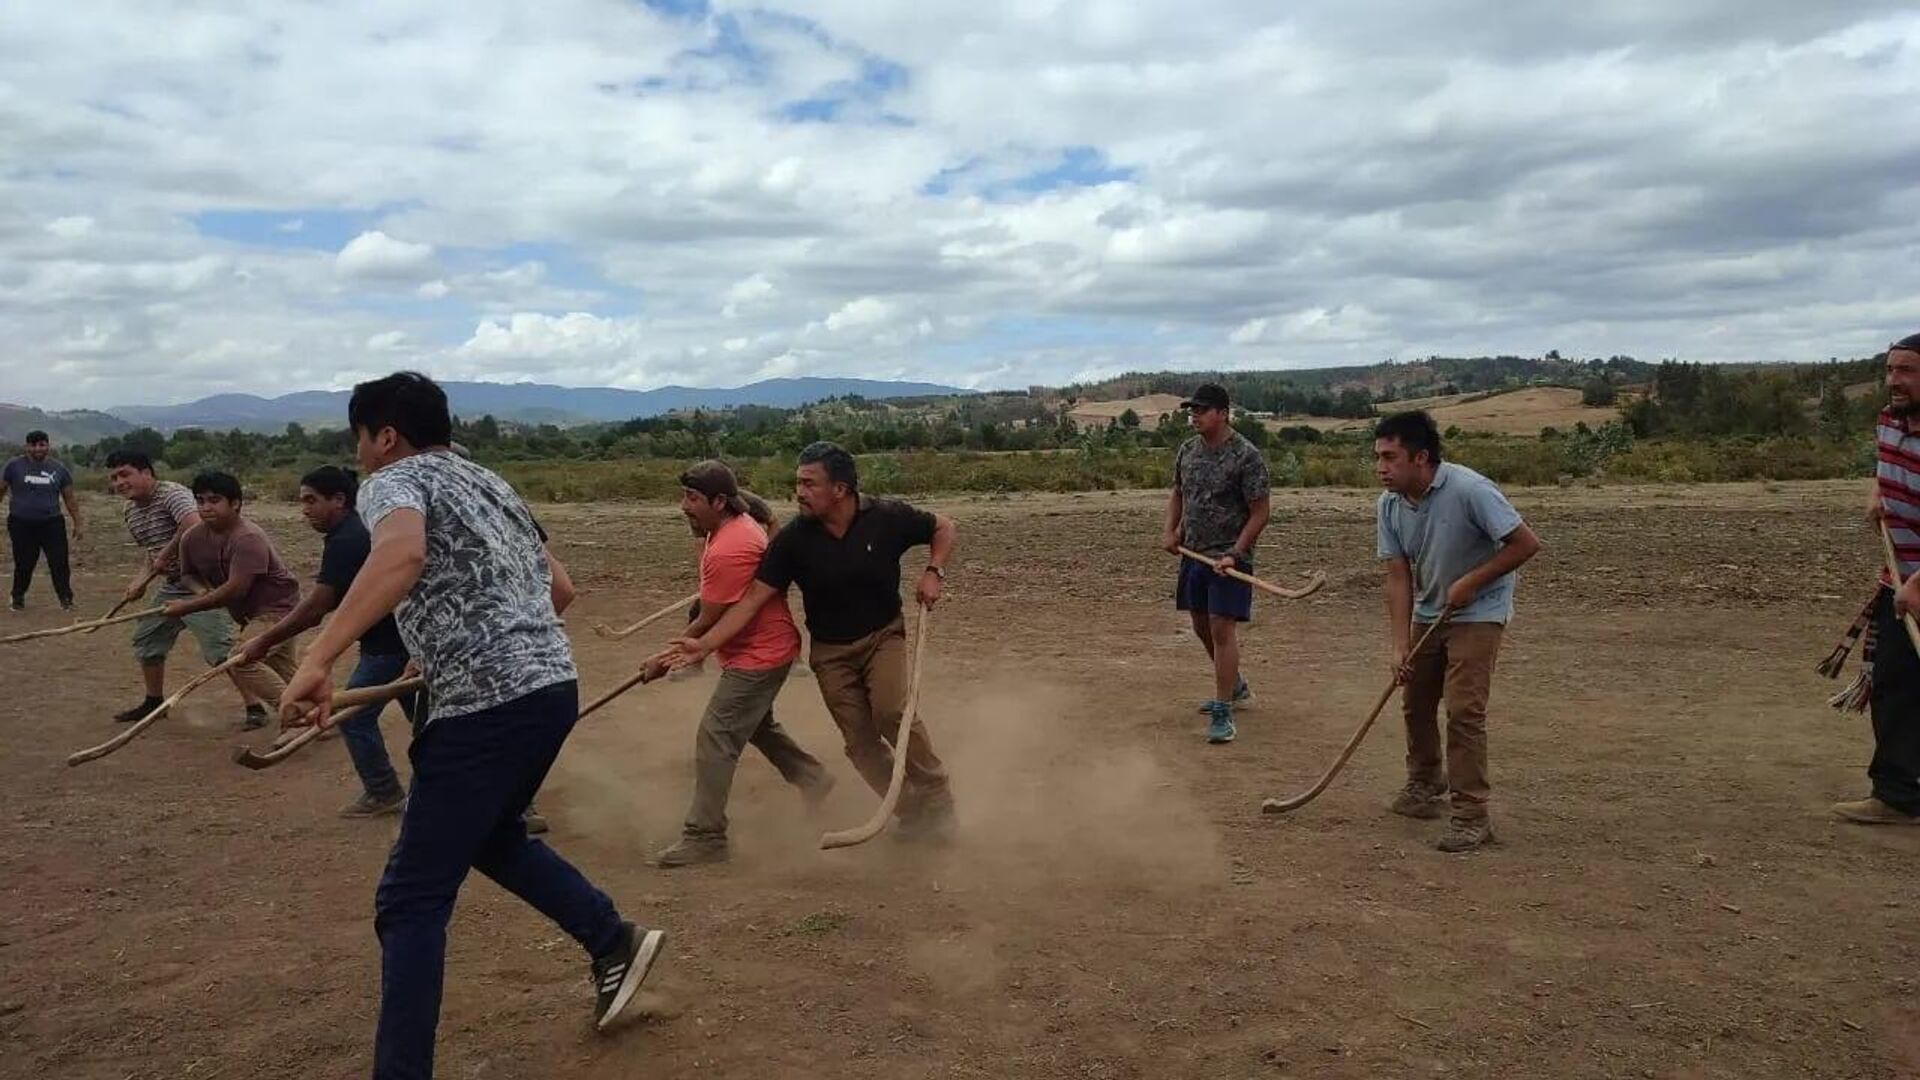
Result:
327,501
843,550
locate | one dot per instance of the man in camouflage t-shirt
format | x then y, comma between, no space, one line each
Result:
457,560
1217,508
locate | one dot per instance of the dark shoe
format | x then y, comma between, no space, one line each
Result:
693,851
617,975
256,718
138,712
1466,834
66,603
931,826
535,822
1419,800
18,604
1220,722
815,794
371,805
1871,811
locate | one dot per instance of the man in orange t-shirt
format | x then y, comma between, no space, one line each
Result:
753,667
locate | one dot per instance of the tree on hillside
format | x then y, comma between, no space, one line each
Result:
1129,419
1599,392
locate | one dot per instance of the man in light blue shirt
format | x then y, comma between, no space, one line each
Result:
1451,542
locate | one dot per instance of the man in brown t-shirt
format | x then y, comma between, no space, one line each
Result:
245,576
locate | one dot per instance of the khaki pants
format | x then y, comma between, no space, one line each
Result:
865,685
1455,665
740,714
267,680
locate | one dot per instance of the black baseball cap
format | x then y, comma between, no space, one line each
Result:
1207,396
714,480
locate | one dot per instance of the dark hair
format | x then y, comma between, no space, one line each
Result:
411,404
37,436
838,463
331,480
215,482
758,510
1910,343
135,458
1415,431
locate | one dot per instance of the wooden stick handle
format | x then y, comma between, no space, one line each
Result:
125,600
93,752
901,740
606,631
345,699
1313,582
1281,806
1893,568
81,627
625,685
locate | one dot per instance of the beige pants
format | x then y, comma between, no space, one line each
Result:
865,685
1455,665
268,679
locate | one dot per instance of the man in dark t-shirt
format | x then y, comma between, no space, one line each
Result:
327,500
37,486
843,550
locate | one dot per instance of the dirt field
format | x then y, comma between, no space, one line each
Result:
1518,412
1669,899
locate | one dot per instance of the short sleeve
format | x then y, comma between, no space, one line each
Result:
66,478
180,503
389,490
779,565
914,525
1255,482
1490,510
1179,459
341,559
1387,541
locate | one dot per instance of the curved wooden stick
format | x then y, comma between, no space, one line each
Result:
83,756
345,699
82,627
1893,568
1281,806
902,739
625,685
124,601
1314,580
606,631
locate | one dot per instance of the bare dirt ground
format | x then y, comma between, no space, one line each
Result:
1669,899
1515,412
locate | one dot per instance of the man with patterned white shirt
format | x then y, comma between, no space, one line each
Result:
457,559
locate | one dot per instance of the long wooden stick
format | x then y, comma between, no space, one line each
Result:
606,631
91,753
125,600
901,741
1893,568
1313,583
625,685
1281,806
80,627
345,699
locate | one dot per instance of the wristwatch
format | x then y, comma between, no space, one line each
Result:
937,571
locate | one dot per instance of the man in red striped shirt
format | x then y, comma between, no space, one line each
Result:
1895,502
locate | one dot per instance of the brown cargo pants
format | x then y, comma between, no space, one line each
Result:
865,685
1455,665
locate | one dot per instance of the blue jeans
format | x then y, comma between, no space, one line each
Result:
473,775
361,730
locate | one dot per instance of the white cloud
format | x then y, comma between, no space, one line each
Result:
376,256
71,228
615,200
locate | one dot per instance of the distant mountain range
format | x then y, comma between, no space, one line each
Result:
528,403
65,428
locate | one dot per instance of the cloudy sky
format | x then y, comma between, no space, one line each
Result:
274,196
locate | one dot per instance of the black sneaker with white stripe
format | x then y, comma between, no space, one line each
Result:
618,974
